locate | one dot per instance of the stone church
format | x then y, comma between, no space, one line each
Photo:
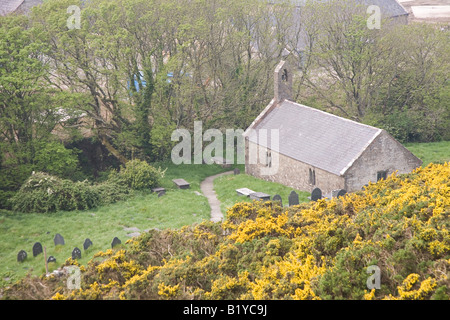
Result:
305,148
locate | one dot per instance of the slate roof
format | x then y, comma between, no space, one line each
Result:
8,6
19,6
389,8
315,137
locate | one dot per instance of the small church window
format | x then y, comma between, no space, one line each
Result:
312,176
381,175
284,75
268,159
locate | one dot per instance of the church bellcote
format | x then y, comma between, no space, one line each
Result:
283,82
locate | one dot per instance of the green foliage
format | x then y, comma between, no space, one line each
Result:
160,140
53,158
111,192
45,193
11,178
137,175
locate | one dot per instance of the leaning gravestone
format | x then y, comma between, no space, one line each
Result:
316,194
76,253
116,241
293,198
341,193
37,249
21,256
58,240
87,243
159,191
277,197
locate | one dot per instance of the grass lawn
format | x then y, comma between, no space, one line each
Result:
143,211
438,152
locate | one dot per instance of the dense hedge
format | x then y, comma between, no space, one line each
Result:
43,192
46,193
318,250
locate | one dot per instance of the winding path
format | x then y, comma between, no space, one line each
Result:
207,187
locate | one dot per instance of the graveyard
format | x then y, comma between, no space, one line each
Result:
79,235
170,206
261,246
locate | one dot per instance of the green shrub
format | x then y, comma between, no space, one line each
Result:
111,192
11,178
45,193
137,175
52,157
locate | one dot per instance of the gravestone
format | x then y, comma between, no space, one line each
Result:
87,243
236,171
51,259
277,197
58,240
316,194
293,199
341,193
76,253
21,256
37,249
244,192
116,241
160,191
181,183
259,196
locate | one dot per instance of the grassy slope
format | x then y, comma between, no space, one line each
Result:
179,207
437,152
145,211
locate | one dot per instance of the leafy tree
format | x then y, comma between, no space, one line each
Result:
30,109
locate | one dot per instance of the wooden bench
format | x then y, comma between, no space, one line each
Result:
181,183
244,192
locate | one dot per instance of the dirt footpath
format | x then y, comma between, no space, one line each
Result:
207,187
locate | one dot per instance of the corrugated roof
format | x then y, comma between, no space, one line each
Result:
8,6
315,137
